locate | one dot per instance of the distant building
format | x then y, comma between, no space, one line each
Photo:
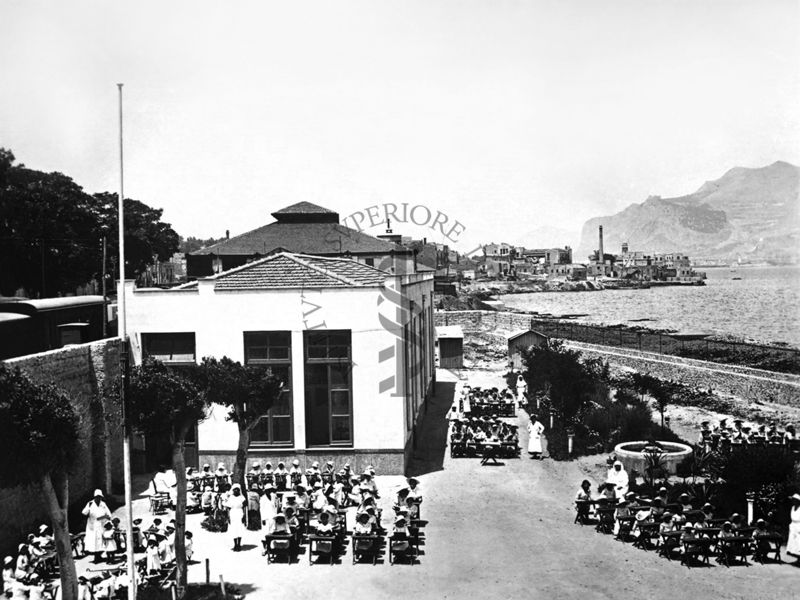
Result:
573,271
307,229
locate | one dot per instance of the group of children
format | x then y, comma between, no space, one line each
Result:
478,402
632,517
723,435
28,567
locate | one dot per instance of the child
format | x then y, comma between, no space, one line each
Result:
189,545
363,525
281,476
324,526
295,473
207,501
152,556
109,542
400,535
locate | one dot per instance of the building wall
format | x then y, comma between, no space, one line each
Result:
383,421
80,371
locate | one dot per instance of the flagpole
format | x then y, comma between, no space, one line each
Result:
125,357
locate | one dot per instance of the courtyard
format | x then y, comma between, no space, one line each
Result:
500,531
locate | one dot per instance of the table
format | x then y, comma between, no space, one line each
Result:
490,452
737,546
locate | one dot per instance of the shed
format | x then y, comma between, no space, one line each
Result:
451,346
522,340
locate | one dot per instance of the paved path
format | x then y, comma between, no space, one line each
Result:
494,532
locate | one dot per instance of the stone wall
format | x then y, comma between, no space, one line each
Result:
744,382
483,320
80,371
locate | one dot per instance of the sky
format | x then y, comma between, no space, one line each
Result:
506,116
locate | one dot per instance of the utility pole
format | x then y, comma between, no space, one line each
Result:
125,360
103,286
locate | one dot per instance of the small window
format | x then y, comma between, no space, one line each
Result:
267,346
169,347
370,262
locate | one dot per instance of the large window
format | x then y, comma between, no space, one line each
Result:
273,351
174,348
329,412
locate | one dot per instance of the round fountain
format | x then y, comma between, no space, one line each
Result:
632,455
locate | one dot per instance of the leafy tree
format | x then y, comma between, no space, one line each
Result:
192,244
146,236
645,383
39,442
572,384
168,401
248,392
53,230
48,226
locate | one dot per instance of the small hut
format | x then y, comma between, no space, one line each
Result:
522,340
451,346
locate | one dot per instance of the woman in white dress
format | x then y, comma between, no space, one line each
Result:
235,504
268,503
793,545
97,515
535,430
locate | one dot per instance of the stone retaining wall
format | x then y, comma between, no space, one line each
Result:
80,371
744,382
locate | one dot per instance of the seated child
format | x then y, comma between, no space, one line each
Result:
189,545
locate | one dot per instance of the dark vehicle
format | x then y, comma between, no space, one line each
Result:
30,326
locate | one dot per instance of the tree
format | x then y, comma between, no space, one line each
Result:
53,230
48,229
168,401
192,244
248,392
146,236
571,384
645,383
39,443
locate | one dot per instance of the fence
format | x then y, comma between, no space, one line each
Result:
772,358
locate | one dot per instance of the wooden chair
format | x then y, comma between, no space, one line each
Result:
276,545
365,546
321,545
765,546
402,546
159,500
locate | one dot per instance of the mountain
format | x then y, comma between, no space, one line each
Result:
752,214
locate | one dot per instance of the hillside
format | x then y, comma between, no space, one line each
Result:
752,214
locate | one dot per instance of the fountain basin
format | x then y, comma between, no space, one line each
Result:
631,456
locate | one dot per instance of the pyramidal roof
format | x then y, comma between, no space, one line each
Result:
305,212
287,270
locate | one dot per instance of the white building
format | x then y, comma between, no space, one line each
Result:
353,344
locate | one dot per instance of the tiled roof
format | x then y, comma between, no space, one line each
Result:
305,238
303,208
288,270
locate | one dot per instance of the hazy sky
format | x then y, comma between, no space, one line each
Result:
504,115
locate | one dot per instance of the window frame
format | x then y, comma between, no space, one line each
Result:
148,338
288,389
331,362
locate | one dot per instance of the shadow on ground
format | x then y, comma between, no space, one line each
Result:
431,434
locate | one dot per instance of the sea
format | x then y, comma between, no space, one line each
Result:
758,303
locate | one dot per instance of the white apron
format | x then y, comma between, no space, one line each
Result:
793,545
96,517
535,440
235,505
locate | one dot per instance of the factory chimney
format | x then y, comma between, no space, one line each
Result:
600,253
